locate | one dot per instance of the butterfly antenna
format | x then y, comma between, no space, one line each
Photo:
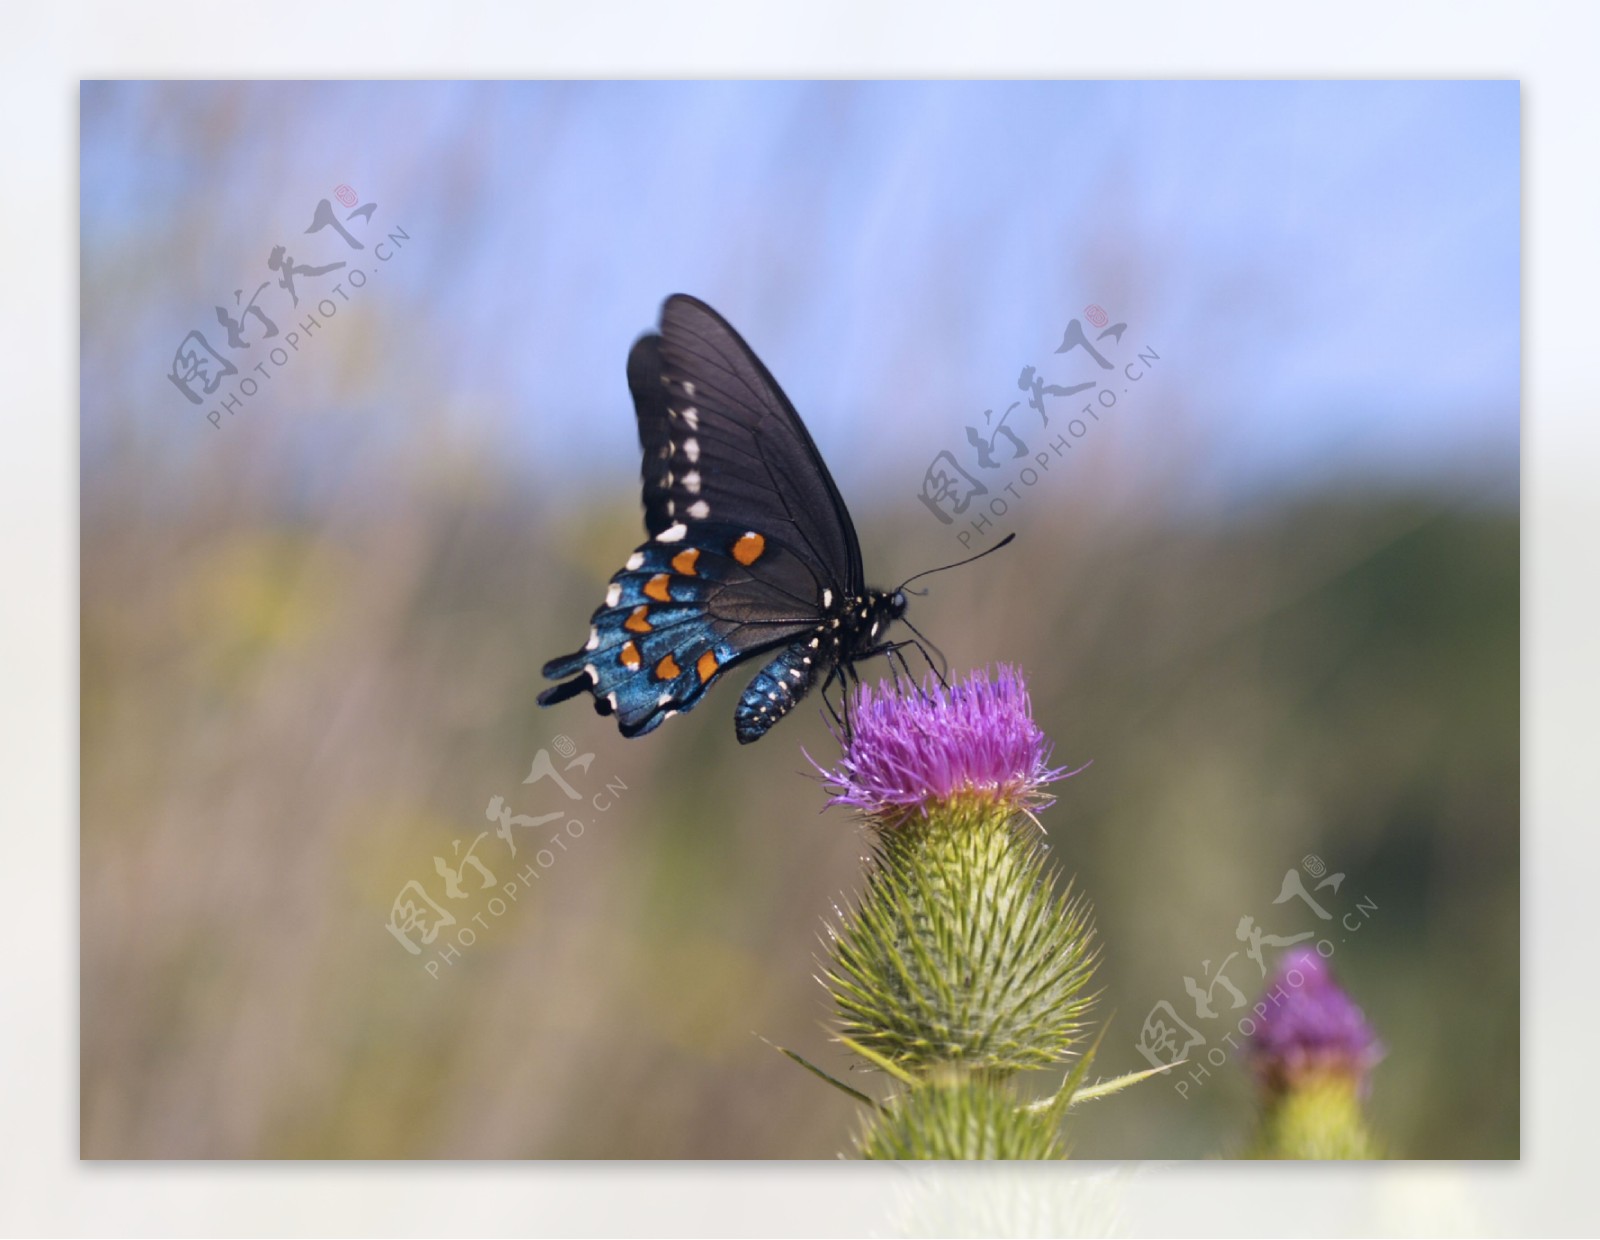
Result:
923,645
988,551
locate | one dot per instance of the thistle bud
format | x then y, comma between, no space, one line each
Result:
1312,1054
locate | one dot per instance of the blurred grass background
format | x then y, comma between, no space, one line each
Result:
310,643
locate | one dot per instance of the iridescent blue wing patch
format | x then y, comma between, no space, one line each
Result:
679,614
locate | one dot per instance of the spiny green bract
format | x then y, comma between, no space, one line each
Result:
955,1114
959,951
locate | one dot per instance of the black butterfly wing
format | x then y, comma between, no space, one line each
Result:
722,443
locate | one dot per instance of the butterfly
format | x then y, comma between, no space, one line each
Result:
751,550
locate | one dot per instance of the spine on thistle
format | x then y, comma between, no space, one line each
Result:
960,965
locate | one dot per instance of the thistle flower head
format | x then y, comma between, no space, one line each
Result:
911,747
1314,1030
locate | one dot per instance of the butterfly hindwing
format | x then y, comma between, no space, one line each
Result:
679,613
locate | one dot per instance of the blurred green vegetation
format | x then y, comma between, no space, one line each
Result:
289,711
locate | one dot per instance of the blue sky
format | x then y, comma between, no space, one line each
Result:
1331,271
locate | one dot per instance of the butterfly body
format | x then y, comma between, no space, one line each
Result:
751,549
847,633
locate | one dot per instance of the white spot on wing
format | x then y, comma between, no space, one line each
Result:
594,639
691,449
688,387
827,598
691,482
635,562
691,418
594,676
699,510
673,533
614,591
664,700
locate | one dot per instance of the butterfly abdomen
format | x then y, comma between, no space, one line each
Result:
776,690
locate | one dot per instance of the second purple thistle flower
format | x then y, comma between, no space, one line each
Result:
1314,1028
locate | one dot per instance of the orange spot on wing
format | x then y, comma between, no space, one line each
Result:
637,623
749,548
667,669
683,562
630,656
707,666
656,588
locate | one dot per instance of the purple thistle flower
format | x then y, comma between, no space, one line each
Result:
1314,1029
911,746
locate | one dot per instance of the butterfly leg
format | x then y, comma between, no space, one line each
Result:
932,667
828,702
895,653
849,681
922,644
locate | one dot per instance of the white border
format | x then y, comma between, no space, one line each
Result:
48,48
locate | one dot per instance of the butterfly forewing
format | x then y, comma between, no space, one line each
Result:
722,442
